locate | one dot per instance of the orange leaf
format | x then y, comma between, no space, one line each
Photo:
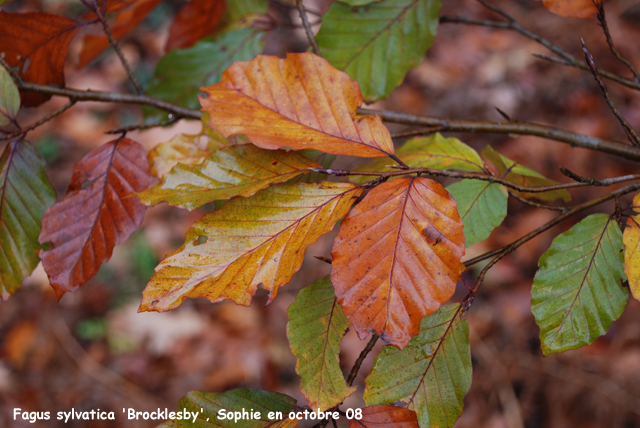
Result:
385,416
37,43
194,21
97,213
397,258
130,13
301,102
572,8
249,241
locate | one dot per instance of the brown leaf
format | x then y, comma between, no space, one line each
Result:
301,102
98,212
37,43
385,416
572,8
397,258
130,13
194,21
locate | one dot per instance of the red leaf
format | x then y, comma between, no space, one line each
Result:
37,43
572,8
397,258
385,416
194,21
97,213
130,14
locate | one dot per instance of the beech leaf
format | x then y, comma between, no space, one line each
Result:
315,329
431,375
300,102
194,21
482,207
385,416
248,242
434,151
631,240
577,291
180,73
240,170
378,43
518,174
37,44
129,14
25,194
397,258
98,212
207,406
184,149
9,98
572,8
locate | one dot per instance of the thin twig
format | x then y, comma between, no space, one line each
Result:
536,204
307,27
631,133
511,24
39,122
605,28
116,47
520,128
361,358
503,251
416,132
142,126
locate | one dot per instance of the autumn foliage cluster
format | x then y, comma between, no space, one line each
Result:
271,127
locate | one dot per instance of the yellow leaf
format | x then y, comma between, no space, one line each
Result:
631,240
248,242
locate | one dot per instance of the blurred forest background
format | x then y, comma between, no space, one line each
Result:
92,350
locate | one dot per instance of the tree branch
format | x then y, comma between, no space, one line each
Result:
503,251
605,28
361,358
39,122
520,128
307,27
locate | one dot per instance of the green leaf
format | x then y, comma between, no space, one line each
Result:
243,12
207,406
434,151
577,292
356,3
523,176
482,206
240,170
377,44
25,194
9,98
315,329
431,375
180,73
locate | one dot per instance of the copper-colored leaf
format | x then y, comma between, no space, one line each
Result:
631,239
37,43
301,102
385,416
98,212
129,14
194,21
572,8
248,242
397,258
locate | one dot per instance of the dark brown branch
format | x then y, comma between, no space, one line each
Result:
143,126
307,27
39,122
605,28
594,181
520,128
105,27
361,358
501,252
536,204
472,176
631,133
111,97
